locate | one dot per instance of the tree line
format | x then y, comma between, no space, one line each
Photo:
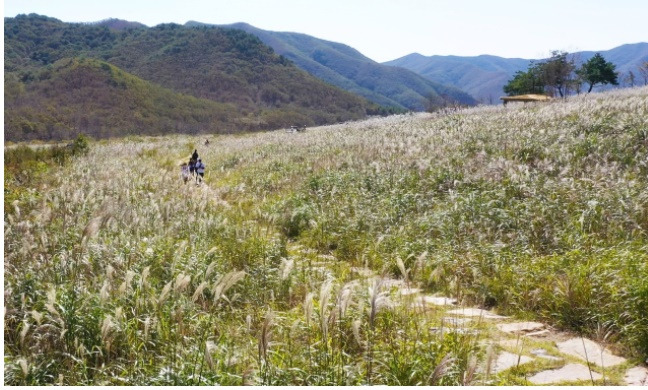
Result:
561,75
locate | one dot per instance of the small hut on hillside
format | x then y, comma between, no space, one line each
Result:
526,98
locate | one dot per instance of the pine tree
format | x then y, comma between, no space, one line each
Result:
598,71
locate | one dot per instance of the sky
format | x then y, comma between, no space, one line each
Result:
384,30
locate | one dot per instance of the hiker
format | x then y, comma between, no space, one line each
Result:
207,142
200,169
192,162
192,167
184,170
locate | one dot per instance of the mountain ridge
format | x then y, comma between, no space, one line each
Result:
348,68
485,75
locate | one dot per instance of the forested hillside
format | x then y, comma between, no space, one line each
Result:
187,79
85,95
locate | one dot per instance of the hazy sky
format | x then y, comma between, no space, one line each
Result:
388,29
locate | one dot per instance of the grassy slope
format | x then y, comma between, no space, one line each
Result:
539,210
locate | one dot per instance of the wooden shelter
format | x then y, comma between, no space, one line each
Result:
526,98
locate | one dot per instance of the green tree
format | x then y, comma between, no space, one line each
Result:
557,71
526,82
550,75
598,71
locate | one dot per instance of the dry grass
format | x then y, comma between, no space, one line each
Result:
117,273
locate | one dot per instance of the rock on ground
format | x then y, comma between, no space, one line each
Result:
471,312
506,360
570,372
540,333
637,376
438,301
520,327
455,321
591,351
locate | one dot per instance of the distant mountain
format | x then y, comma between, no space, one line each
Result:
625,57
348,69
247,85
484,76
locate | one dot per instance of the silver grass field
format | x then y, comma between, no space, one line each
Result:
285,266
